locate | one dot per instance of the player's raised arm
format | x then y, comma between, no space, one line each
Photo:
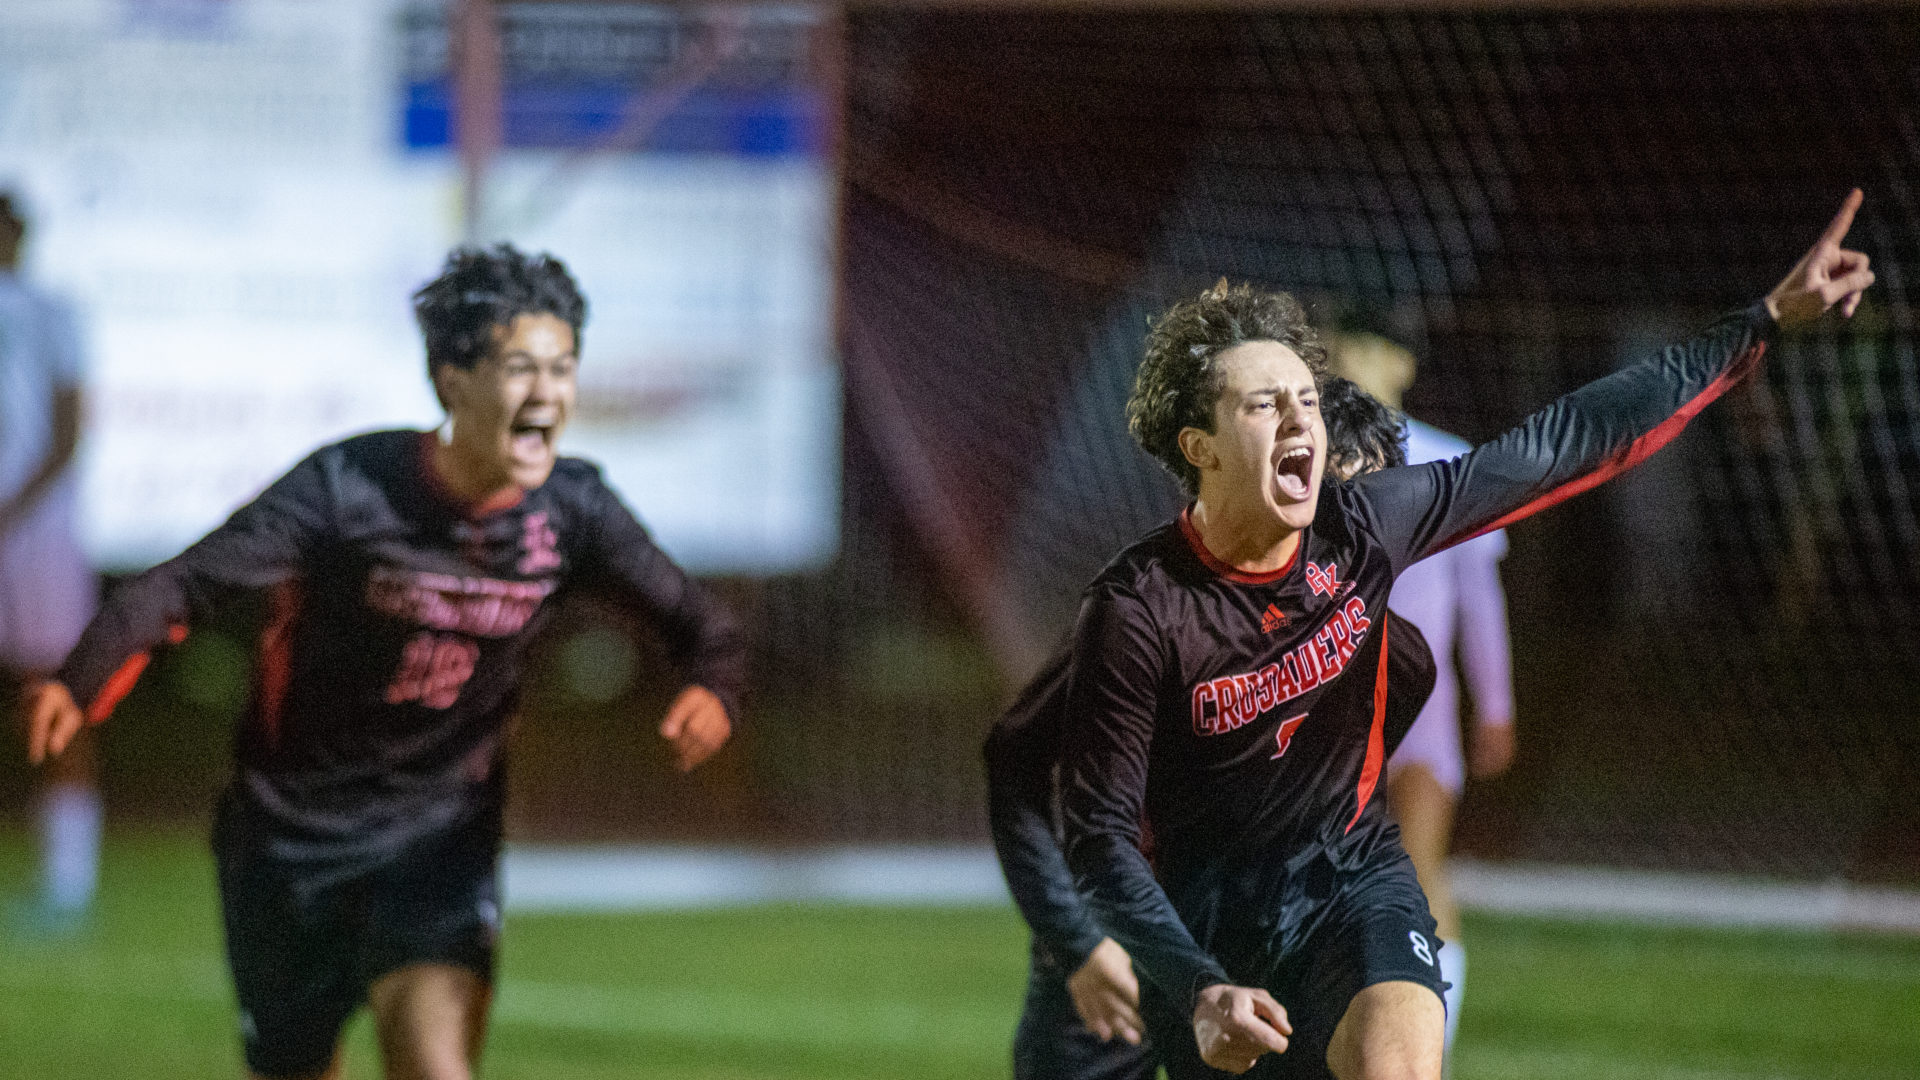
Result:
702,638
259,546
1608,426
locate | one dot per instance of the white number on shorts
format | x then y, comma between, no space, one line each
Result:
1420,947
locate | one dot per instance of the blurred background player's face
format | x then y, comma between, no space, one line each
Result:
1268,448
508,411
1373,363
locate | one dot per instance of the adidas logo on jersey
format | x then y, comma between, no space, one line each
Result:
1273,620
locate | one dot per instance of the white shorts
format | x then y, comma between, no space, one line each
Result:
47,593
1434,742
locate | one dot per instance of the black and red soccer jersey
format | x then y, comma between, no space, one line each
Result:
1245,713
1023,749
400,620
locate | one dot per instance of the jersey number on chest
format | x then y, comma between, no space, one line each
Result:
433,669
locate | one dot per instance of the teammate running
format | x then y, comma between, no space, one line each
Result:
357,843
1280,910
1081,1017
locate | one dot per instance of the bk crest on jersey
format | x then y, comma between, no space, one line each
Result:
539,545
1325,580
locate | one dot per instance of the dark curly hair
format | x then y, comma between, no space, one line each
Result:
482,288
1180,379
1363,432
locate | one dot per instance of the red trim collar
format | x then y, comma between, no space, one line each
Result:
505,499
1225,570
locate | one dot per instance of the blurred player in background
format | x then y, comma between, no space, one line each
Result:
1081,1017
1229,676
47,590
1456,599
358,842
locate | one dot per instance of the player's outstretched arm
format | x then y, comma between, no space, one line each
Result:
52,718
701,637
1235,1025
1606,427
696,726
264,543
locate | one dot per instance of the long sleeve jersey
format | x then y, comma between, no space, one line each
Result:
400,619
1241,716
1023,750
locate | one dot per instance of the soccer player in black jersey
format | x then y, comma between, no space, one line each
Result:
1080,1020
1279,915
357,842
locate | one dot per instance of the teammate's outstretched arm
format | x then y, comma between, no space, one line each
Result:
702,638
696,727
1021,751
259,546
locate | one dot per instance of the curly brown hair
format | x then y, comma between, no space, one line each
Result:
1180,379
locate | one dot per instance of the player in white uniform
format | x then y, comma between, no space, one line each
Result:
47,590
1456,600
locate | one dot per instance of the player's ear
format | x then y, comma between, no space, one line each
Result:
1197,446
446,384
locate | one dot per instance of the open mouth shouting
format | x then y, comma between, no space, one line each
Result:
1294,473
530,442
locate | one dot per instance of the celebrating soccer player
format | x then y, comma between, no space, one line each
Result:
1279,915
357,843
1081,1018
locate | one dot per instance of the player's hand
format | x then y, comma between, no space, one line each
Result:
53,719
1106,993
696,726
1827,274
1492,750
1234,1025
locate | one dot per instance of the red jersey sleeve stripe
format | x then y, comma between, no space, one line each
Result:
121,682
1634,452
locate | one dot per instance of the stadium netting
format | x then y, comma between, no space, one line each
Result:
1716,657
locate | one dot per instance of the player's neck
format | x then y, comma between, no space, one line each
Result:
469,482
1252,542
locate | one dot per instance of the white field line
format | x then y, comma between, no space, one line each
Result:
665,878
1698,899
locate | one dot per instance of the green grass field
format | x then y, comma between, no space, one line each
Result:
814,993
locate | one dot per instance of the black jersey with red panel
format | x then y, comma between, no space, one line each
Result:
1242,716
1023,749
400,620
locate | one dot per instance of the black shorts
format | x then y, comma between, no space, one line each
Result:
1343,931
303,954
1052,1043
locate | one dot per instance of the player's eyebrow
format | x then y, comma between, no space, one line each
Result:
1276,391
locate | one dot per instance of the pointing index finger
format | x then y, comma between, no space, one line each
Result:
1842,221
